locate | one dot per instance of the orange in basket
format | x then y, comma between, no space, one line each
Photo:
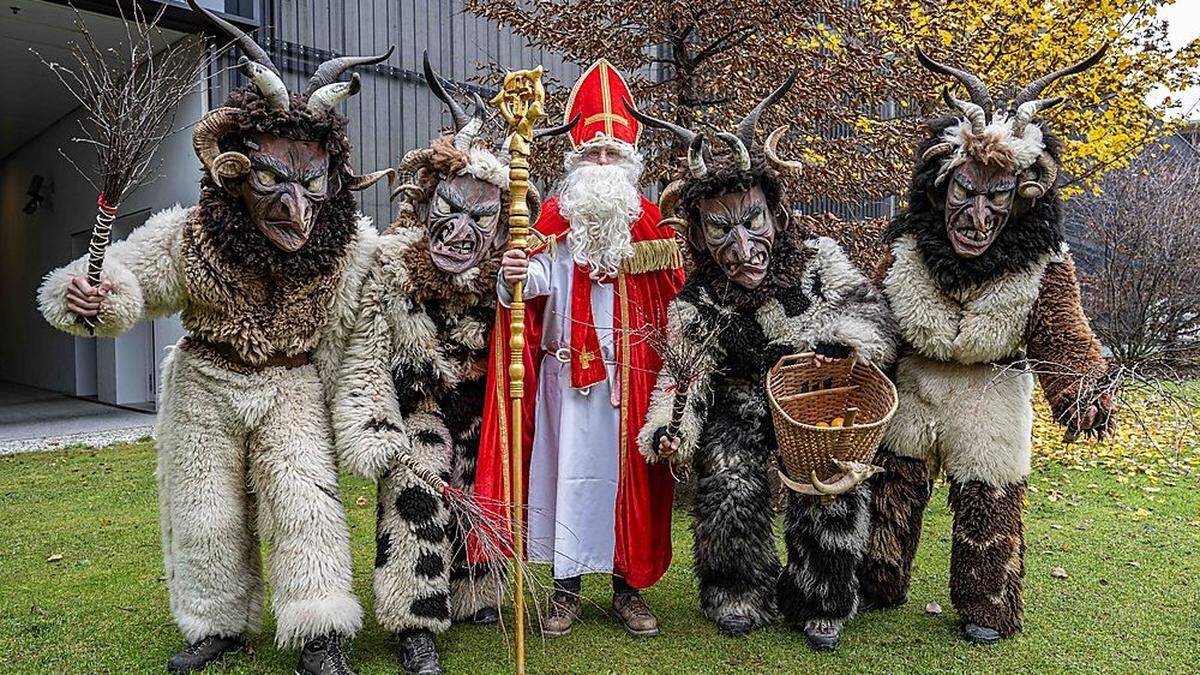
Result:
821,458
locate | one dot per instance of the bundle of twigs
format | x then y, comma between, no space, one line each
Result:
129,96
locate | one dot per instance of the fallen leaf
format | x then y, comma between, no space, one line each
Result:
933,608
1058,573
54,558
360,500
105,522
1134,564
1055,526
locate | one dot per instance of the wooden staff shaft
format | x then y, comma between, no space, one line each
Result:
97,247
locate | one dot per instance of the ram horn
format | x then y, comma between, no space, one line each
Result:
269,84
853,473
330,96
329,71
669,199
359,183
1028,110
738,147
685,135
460,116
937,150
696,163
1047,176
206,137
558,130
411,191
247,44
1035,88
414,159
974,114
771,150
745,128
977,91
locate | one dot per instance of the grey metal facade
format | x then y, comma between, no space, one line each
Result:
394,112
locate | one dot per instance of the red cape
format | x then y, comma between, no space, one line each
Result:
644,492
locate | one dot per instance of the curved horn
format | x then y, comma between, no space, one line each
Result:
412,191
329,71
330,96
853,473
533,199
413,159
464,138
669,198
460,116
1047,176
248,46
358,183
943,148
686,135
696,157
268,83
1029,109
738,147
770,149
745,128
975,114
558,130
1035,88
976,89
206,138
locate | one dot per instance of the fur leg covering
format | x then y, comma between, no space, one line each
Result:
412,550
898,500
736,562
294,475
825,544
472,587
987,559
211,554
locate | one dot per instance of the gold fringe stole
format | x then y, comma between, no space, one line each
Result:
653,255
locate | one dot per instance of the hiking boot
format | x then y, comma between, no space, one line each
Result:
487,616
203,652
323,656
823,635
564,609
630,610
980,635
734,625
418,653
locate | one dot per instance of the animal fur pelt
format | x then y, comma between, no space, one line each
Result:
813,297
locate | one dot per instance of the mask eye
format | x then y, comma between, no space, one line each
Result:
315,184
441,206
265,177
758,223
1001,199
488,222
957,191
715,230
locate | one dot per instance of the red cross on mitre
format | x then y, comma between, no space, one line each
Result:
599,100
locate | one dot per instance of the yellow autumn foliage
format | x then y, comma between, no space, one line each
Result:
1105,121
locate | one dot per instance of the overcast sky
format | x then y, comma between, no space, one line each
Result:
1184,22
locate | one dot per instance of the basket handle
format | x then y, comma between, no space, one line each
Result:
803,358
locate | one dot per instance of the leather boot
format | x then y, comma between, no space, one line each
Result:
631,611
564,609
323,656
418,653
203,652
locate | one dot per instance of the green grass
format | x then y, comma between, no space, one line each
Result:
1130,602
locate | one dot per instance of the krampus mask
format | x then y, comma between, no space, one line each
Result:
283,156
992,164
733,213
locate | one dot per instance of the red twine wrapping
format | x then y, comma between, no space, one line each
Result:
103,205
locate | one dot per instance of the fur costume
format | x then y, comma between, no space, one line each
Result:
245,444
414,374
976,328
811,298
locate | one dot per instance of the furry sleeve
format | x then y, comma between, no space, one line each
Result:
858,315
687,326
344,305
145,273
1061,345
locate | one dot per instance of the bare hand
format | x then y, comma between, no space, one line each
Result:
84,299
668,446
1095,418
514,266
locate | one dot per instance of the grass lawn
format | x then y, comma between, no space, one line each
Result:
82,589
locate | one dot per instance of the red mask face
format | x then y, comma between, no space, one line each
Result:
287,184
463,222
738,230
979,200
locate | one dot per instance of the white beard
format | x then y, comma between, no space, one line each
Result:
601,202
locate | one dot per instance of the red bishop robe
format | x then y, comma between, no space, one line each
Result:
644,288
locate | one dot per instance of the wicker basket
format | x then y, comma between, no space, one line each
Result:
803,392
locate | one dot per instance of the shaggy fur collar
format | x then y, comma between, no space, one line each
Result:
425,282
1033,231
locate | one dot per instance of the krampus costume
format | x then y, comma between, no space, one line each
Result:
265,271
985,294
413,380
769,290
